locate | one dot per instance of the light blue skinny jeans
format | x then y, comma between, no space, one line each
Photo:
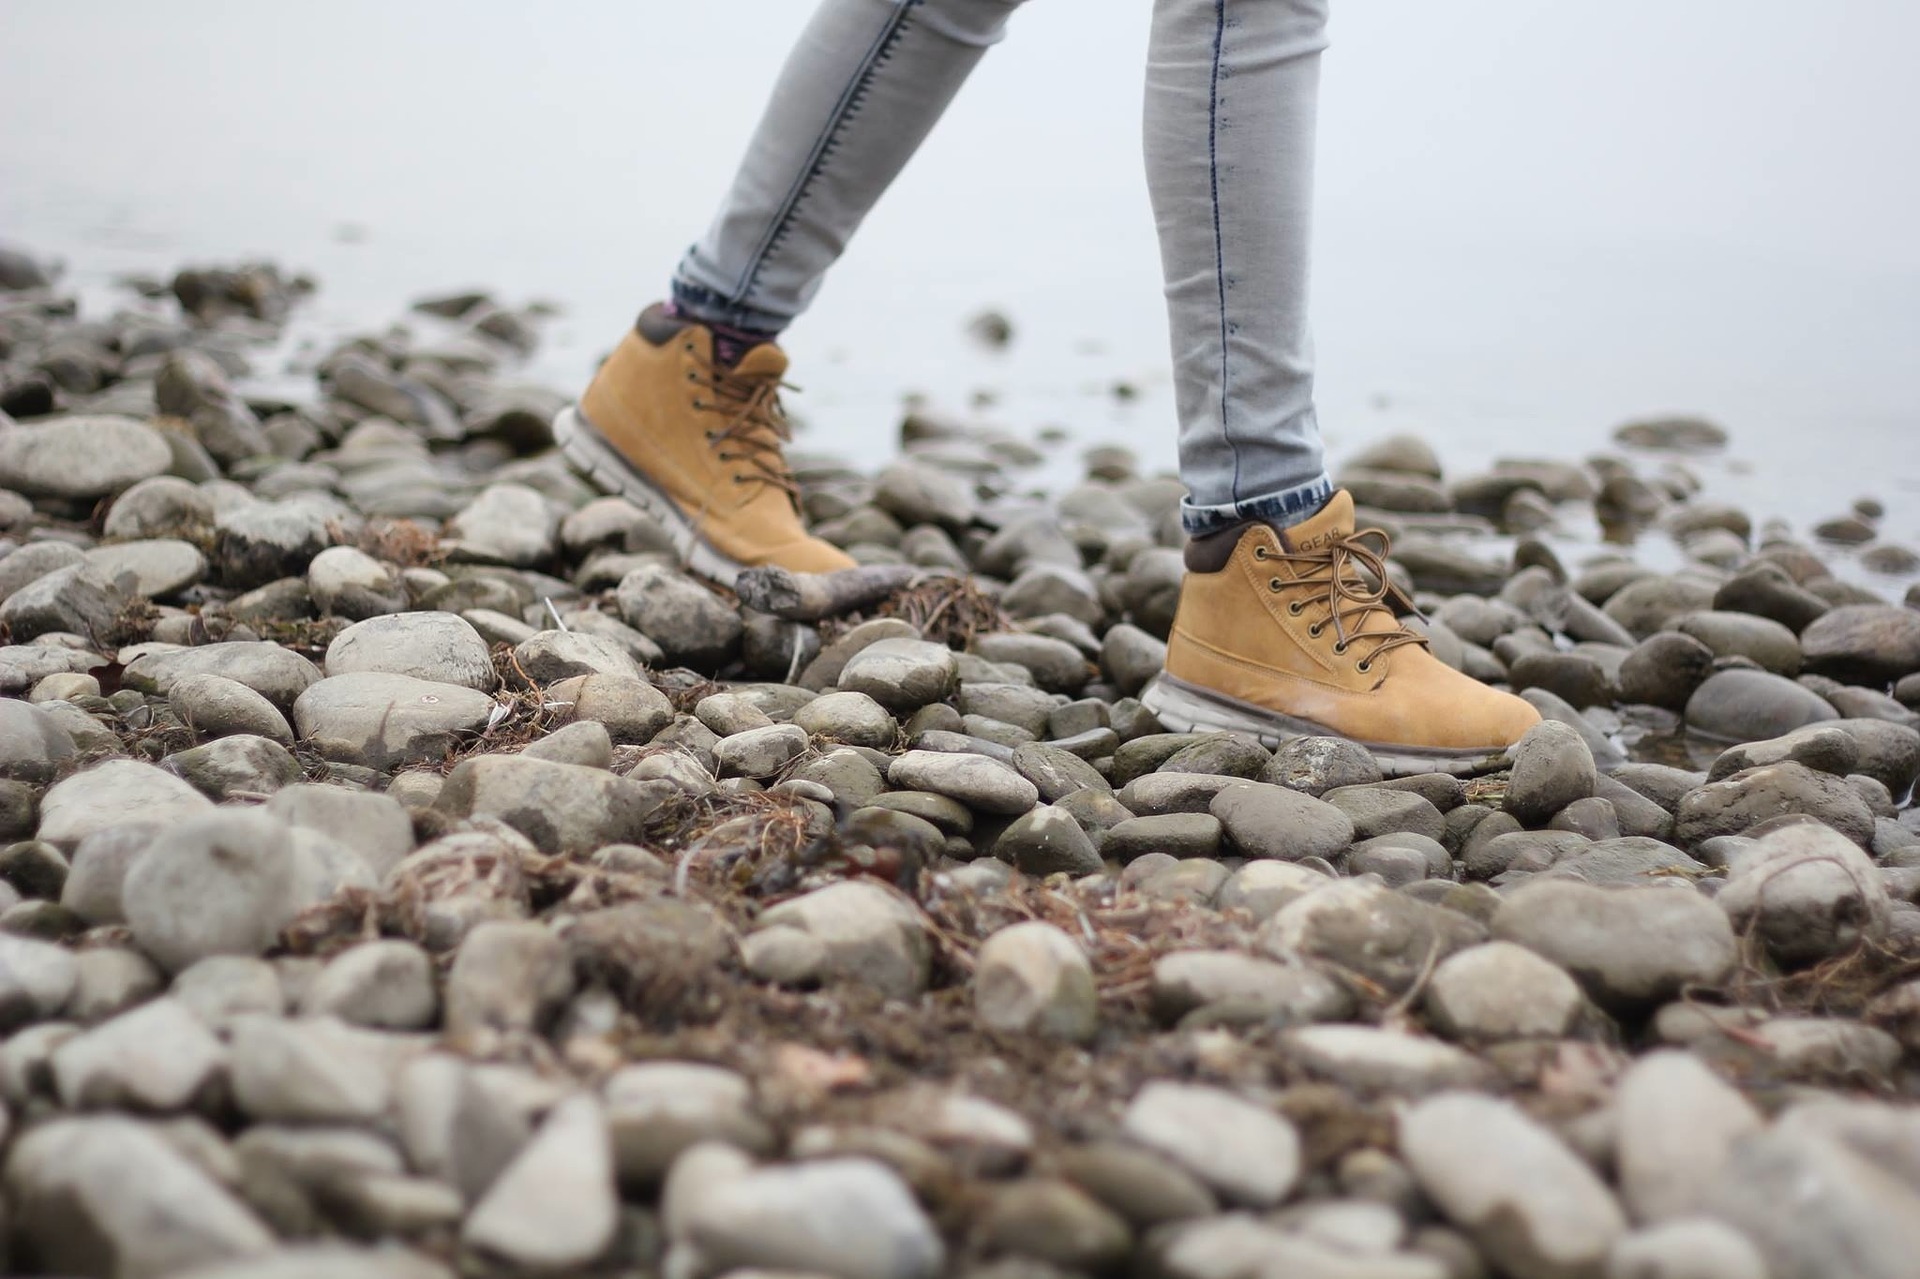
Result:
1232,87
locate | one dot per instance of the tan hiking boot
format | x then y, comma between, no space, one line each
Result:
697,445
1284,634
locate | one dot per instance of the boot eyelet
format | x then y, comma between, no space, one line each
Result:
1365,665
1339,648
698,405
1313,632
1260,553
1296,608
1274,584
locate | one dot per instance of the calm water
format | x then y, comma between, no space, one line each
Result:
1531,227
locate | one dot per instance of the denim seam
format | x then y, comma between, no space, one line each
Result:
843,113
1219,239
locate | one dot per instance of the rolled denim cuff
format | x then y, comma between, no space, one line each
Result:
700,303
1281,509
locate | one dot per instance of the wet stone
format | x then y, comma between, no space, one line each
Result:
1175,834
982,784
1747,705
1271,821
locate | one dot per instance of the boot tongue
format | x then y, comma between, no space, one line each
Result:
765,362
1332,523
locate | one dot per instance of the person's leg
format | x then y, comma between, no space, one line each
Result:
684,418
1232,92
858,96
1286,625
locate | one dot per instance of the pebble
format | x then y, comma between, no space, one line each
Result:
563,808
1629,948
865,934
81,456
1243,1151
277,674
1501,991
36,980
554,1208
1372,1060
901,674
688,622
1739,705
1694,1248
1864,643
215,706
108,1195
1815,1208
313,1071
33,745
77,600
439,648
154,568
760,752
156,1058
385,720
1738,803
1530,1204
1385,936
1552,767
386,984
1031,978
1261,820
982,784
506,524
1676,1123
219,884
658,1110
1806,893
1047,841
845,1218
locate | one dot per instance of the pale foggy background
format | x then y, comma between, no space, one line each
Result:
1535,220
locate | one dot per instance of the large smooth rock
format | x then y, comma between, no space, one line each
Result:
689,623
901,674
277,674
1385,936
1738,803
78,600
844,1218
858,932
1676,1122
1529,1203
36,980
1245,1152
81,457
33,745
554,1208
115,793
1864,643
384,720
158,1057
1552,767
1502,991
1629,948
1031,978
1741,705
562,808
1262,820
108,1196
442,648
976,781
224,883
1807,893
1816,1208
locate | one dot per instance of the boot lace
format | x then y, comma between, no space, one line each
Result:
755,431
1352,573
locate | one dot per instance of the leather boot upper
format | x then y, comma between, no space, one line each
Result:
1298,621
709,437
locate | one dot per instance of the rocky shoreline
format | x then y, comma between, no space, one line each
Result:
406,870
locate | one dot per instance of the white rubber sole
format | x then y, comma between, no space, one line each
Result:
603,467
1188,708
